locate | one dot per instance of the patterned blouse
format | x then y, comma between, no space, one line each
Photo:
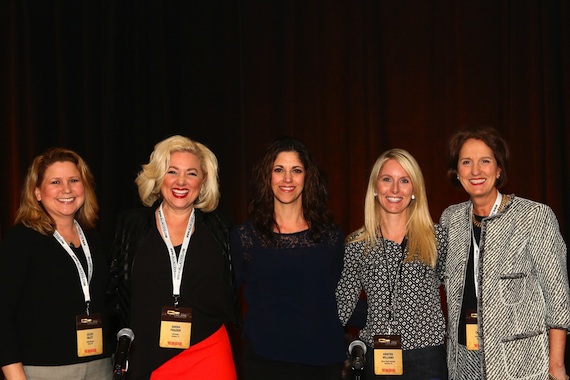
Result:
412,286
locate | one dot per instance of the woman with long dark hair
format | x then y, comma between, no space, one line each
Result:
289,258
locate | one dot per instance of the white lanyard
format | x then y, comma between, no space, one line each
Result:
476,246
83,278
176,265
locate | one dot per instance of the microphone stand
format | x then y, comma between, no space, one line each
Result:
358,358
358,374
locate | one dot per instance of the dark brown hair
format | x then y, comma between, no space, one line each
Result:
491,138
315,193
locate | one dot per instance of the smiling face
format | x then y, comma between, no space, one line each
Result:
394,188
61,192
288,178
477,169
182,182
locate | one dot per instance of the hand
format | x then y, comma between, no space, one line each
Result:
557,374
557,340
14,371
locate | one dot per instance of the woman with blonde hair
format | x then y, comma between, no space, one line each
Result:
53,277
394,257
179,295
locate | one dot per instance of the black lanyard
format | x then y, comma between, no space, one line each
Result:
392,286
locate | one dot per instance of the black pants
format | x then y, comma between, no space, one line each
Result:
420,364
256,367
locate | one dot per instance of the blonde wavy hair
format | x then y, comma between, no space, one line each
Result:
150,178
420,231
31,212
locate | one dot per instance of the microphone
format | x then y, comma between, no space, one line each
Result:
357,351
120,365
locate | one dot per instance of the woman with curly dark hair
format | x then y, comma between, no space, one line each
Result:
289,258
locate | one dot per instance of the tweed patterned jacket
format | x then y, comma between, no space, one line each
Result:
523,286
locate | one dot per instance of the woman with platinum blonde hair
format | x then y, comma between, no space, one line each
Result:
180,293
395,258
152,175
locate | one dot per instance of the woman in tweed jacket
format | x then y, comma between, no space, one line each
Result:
506,277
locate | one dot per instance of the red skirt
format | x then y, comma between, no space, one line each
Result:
210,359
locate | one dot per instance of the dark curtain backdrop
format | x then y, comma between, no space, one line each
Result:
109,80
356,79
350,78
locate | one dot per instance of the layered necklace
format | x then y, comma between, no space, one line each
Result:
477,223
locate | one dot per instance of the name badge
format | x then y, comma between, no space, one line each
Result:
388,355
89,335
175,327
471,337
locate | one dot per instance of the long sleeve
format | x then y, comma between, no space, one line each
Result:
549,258
441,240
14,264
41,295
349,285
237,257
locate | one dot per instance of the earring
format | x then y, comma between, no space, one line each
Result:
375,194
413,197
458,176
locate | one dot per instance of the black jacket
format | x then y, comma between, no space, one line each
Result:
132,227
